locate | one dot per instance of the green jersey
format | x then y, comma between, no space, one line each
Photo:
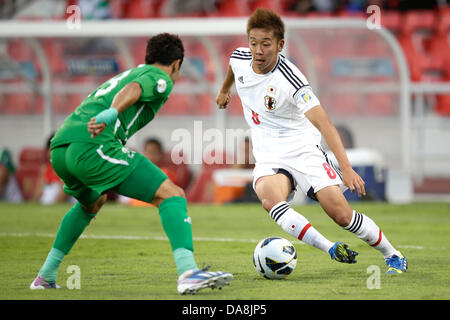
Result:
156,86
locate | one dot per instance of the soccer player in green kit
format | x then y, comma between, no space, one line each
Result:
88,153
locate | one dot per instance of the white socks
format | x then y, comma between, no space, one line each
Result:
365,229
298,226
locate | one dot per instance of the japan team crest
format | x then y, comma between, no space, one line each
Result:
270,103
269,99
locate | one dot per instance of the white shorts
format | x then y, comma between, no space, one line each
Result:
310,170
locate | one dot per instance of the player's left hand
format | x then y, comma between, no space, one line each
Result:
95,128
353,181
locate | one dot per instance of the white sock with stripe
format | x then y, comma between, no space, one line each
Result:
367,230
298,226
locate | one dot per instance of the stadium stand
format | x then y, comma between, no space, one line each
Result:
424,36
28,170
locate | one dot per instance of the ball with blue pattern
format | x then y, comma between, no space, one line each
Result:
274,258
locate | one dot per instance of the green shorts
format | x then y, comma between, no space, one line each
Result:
89,170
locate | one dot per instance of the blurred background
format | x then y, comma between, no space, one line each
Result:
386,86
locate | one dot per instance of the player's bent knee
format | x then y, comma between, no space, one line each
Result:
177,192
342,219
340,214
167,190
97,205
269,203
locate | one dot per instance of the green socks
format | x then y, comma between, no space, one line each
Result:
177,226
49,270
72,226
184,260
175,221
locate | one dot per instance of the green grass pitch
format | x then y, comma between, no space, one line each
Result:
124,254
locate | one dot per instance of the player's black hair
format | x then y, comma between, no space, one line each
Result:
164,48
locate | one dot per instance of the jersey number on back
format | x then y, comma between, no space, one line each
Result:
112,84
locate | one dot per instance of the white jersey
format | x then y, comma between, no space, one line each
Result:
274,107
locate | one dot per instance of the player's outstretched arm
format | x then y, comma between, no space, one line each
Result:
122,100
223,98
322,122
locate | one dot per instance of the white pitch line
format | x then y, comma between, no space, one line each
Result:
125,237
159,238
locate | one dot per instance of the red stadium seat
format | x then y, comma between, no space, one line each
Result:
59,102
234,8
140,9
27,174
197,53
118,8
380,104
442,106
319,14
54,51
31,156
204,104
352,14
182,171
417,61
275,5
16,103
177,104
416,32
443,21
27,177
227,45
202,188
439,51
235,106
37,104
391,20
19,50
73,101
138,49
416,20
342,104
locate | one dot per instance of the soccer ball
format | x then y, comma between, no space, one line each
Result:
274,258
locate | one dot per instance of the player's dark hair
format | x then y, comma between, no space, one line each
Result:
266,19
164,48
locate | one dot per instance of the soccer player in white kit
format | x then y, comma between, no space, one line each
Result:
287,123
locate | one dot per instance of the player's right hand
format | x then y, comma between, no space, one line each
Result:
222,100
353,181
95,128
